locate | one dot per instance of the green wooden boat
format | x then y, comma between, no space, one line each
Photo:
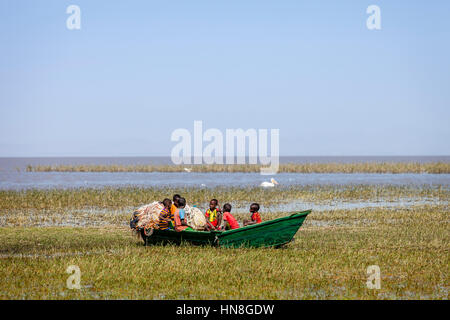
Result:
272,233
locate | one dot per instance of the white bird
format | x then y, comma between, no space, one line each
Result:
188,169
272,183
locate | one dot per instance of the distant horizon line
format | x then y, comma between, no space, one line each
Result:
281,156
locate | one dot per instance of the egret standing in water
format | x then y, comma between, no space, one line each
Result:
272,183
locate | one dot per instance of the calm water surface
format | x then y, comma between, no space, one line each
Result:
14,176
45,180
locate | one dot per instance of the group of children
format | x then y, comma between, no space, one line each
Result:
173,216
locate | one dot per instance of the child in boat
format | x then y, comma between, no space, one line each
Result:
165,217
174,205
213,215
229,221
180,223
255,217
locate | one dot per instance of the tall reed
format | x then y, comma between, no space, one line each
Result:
135,196
366,167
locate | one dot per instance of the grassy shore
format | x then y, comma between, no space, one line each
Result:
368,167
126,197
42,232
328,260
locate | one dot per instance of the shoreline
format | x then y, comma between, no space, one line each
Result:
334,167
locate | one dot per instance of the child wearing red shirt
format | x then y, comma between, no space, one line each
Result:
229,221
255,216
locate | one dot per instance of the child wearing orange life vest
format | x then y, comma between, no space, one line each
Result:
174,205
213,215
180,223
255,217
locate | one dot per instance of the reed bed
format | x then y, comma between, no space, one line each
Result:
411,247
367,167
129,197
42,232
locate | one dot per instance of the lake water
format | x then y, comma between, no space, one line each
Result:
14,176
44,180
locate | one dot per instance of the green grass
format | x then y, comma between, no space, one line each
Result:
328,260
368,167
42,232
119,198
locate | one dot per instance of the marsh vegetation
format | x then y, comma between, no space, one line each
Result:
42,232
357,167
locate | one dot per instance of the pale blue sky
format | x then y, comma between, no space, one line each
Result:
137,70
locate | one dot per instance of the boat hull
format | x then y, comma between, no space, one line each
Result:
272,233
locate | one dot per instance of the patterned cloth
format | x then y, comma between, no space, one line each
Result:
165,214
147,217
212,216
